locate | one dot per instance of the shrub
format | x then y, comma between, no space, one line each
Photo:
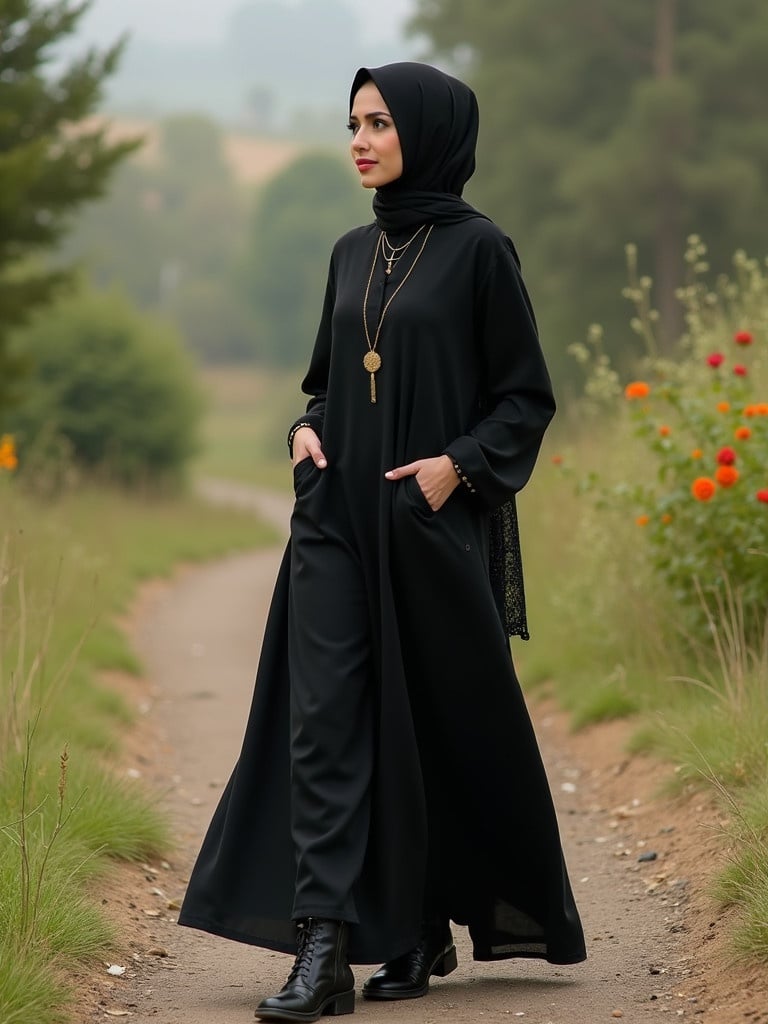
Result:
693,433
115,384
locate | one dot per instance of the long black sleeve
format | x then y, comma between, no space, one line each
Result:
498,454
315,383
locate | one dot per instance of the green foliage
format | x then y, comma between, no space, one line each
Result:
700,427
115,384
181,228
604,121
299,216
47,170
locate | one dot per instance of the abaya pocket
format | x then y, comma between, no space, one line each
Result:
302,471
416,497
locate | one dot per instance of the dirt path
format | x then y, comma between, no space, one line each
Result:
199,640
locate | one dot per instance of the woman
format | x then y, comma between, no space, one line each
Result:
389,780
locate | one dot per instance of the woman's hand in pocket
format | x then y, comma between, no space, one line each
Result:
436,477
306,444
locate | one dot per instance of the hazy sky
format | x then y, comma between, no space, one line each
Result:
200,20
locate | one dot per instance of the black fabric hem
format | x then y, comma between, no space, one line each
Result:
326,913
204,925
486,956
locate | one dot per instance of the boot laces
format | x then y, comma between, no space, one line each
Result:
307,936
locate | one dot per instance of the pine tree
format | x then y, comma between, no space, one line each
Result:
49,163
611,121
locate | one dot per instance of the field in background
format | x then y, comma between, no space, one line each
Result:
245,429
252,160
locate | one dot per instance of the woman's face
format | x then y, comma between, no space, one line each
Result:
375,143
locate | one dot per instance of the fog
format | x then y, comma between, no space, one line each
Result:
261,64
174,21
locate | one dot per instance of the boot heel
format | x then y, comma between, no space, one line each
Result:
344,1003
447,963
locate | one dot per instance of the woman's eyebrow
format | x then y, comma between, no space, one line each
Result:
368,117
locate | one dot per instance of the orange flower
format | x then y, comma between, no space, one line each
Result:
723,406
742,433
750,410
703,488
643,520
637,389
726,476
557,460
762,409
8,457
664,431
666,519
696,453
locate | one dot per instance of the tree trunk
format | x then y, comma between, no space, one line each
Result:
668,242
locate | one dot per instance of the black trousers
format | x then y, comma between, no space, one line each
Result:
331,710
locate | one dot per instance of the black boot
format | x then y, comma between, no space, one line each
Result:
320,981
408,976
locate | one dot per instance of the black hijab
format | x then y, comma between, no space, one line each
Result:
437,119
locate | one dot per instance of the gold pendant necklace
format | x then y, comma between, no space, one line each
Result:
372,359
399,249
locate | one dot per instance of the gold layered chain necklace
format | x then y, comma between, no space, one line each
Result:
372,359
396,251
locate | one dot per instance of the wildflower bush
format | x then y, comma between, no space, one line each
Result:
693,433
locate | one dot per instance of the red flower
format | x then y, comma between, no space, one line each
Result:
739,370
715,359
762,495
742,338
726,456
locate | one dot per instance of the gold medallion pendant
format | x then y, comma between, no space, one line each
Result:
372,362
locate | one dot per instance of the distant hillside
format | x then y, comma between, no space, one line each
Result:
253,160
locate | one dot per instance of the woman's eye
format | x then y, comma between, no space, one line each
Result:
352,128
379,123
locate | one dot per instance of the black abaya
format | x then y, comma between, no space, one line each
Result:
459,811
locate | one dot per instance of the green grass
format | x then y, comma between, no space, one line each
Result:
70,567
744,882
244,433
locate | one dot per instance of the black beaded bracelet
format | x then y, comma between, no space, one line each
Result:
462,476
